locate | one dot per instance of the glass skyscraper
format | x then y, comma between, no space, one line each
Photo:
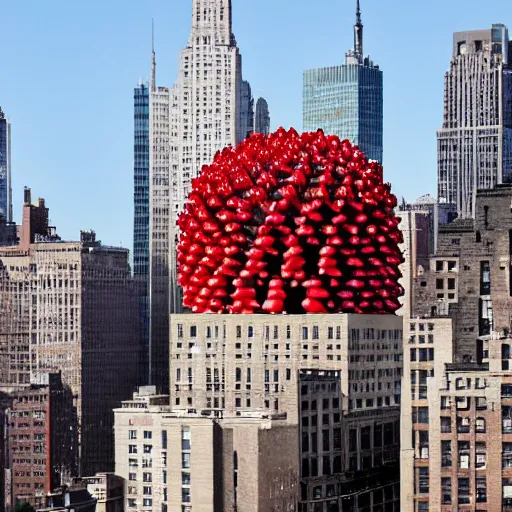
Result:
347,100
141,206
5,167
141,181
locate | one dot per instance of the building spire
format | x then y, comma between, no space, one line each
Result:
358,33
153,57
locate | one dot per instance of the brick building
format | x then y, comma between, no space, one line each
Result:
71,307
41,440
455,387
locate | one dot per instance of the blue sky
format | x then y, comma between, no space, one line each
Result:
67,72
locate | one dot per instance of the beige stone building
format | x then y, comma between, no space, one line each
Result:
235,364
70,307
201,461
108,490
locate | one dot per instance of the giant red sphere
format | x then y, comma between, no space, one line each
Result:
290,223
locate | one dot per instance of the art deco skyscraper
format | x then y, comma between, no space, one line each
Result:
5,167
347,100
474,146
209,107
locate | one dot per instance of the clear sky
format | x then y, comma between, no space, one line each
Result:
68,68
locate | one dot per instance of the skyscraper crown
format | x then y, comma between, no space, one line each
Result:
211,19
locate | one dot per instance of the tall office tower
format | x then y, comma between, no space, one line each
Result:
72,307
207,109
141,211
347,100
474,145
5,167
262,117
41,437
456,370
238,364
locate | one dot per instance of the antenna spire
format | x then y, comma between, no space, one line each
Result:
358,33
153,57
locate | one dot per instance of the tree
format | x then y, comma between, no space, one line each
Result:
23,506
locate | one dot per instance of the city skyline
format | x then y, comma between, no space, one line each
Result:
105,141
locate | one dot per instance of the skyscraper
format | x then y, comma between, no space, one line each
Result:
347,100
208,108
5,167
262,117
141,207
474,145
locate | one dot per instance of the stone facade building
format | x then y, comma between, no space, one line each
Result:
209,107
474,145
243,363
201,461
71,307
108,490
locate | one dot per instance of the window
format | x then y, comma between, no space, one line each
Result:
481,455
464,497
148,448
439,265
148,434
146,490
193,331
439,284
238,331
185,478
185,460
185,438
480,425
147,502
330,333
132,503
250,331
132,476
132,448
446,424
180,330
507,455
481,490
446,491
164,439
413,354
316,334
304,333
132,434
420,415
451,283
463,449
423,480
485,278
463,425
185,494
422,506
446,454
